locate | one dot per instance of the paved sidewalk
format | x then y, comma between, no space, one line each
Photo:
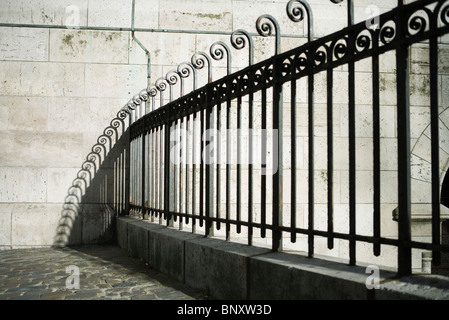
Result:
105,272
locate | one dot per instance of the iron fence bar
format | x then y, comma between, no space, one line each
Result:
250,167
157,169
239,169
376,147
126,176
209,172
193,173
293,158
277,163
435,144
352,141
174,168
330,157
167,178
181,136
201,185
228,161
162,191
218,167
352,162
311,151
403,129
153,173
187,183
143,173
263,171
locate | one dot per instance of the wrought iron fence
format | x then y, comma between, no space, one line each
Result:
223,157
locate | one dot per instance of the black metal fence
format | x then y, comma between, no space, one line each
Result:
225,158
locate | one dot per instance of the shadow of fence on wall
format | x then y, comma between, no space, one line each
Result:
98,192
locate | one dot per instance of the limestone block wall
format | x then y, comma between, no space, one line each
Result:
68,66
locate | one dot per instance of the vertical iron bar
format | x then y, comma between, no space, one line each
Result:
403,123
181,164
201,186
167,177
209,168
376,148
277,158
161,175
174,168
352,160
187,168
193,173
218,168
311,200
263,195
250,168
330,158
151,175
239,174
352,164
435,144
143,173
228,163
293,160
126,173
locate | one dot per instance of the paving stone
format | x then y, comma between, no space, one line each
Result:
105,273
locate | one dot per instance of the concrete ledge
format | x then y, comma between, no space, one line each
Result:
218,267
225,270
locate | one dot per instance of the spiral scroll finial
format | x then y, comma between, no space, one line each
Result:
199,60
266,25
295,11
239,39
172,79
184,72
217,52
161,85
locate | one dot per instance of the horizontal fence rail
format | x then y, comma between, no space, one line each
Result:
228,158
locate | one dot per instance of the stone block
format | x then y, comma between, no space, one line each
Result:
83,114
45,149
106,13
23,113
21,184
137,240
122,231
97,223
25,218
146,14
166,251
303,278
51,79
88,46
220,268
23,44
10,84
195,15
64,12
59,182
166,49
121,81
5,225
